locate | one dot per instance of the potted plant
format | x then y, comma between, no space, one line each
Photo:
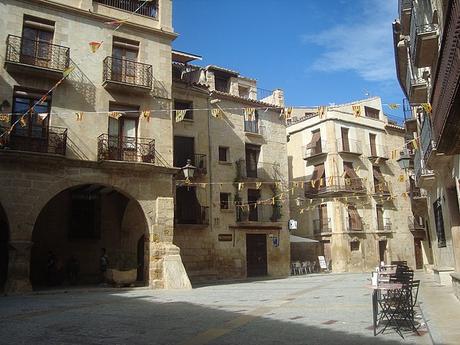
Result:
122,269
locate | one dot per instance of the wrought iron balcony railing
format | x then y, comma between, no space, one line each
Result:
384,225
415,224
144,8
252,127
126,149
378,151
127,72
261,213
198,215
322,226
427,143
349,146
40,139
37,53
263,171
334,185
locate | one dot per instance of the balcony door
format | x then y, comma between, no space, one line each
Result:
354,219
323,219
256,255
373,144
253,197
124,55
184,148
123,133
345,140
188,209
36,48
252,159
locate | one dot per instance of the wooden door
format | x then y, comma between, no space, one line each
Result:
418,253
323,219
36,48
256,255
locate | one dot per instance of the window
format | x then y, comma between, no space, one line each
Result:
380,223
315,144
373,145
224,155
123,132
372,112
124,60
439,222
354,246
243,91
221,82
185,105
37,38
345,141
85,216
252,159
352,180
224,201
354,219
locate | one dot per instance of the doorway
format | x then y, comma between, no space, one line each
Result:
418,253
382,250
256,255
184,149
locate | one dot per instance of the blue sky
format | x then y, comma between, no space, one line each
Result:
318,51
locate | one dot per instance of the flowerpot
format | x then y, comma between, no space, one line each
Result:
121,278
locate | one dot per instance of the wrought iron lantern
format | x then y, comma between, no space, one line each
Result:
189,171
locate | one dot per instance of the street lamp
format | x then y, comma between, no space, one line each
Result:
189,171
404,160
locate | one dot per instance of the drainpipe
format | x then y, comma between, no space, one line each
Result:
211,219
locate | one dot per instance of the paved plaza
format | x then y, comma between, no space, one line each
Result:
313,309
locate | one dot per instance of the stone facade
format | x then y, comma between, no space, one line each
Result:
218,248
39,175
359,216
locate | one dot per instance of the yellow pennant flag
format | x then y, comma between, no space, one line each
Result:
427,107
4,117
393,106
23,121
79,116
114,115
180,115
415,144
146,115
41,117
401,178
240,185
322,111
356,110
313,182
217,113
258,185
94,46
67,71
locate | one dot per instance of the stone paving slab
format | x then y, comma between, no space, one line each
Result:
315,309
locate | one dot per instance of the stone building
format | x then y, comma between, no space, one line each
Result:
352,198
72,184
426,51
225,224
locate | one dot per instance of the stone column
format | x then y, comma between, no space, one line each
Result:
19,268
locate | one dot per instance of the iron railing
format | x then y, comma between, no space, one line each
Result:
318,149
427,143
415,223
127,72
381,187
259,213
37,53
263,171
195,215
41,139
251,127
199,161
322,227
352,225
334,185
420,166
384,225
126,149
144,8
349,146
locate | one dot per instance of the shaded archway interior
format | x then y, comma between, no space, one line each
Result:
77,223
4,238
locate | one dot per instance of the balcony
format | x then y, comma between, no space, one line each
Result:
416,85
410,121
126,149
143,8
122,75
423,176
416,224
405,11
354,224
319,150
252,127
418,199
258,94
381,189
263,171
384,225
424,47
334,185
42,140
378,153
200,162
42,58
259,214
195,215
352,147
321,227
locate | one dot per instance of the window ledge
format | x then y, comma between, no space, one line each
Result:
224,163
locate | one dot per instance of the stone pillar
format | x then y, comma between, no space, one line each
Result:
19,268
339,241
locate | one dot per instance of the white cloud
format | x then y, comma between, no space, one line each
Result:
363,45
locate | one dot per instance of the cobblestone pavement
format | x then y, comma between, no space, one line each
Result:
313,309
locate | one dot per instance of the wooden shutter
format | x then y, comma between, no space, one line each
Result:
314,140
354,218
372,141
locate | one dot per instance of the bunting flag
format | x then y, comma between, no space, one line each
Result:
41,117
94,46
249,114
321,182
286,112
321,111
114,115
377,161
330,180
258,185
347,181
79,116
427,107
116,22
301,211
273,201
313,182
23,121
146,115
401,178
4,117
356,110
240,185
394,154
415,144
217,113
404,195
67,71
180,115
42,100
393,106
202,185
278,185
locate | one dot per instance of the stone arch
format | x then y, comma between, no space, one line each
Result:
4,252
58,230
